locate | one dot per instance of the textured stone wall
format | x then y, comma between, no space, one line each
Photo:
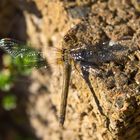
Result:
117,86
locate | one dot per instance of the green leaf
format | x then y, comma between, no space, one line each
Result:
9,102
5,80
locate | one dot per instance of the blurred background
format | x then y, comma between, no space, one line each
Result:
14,81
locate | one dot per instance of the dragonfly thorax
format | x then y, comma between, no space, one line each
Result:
66,59
81,54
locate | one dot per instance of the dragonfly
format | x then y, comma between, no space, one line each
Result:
84,55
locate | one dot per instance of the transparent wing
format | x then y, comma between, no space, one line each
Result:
29,57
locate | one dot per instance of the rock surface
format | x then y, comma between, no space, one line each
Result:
117,84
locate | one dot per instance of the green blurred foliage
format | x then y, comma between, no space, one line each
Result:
19,62
9,102
5,80
16,67
8,74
